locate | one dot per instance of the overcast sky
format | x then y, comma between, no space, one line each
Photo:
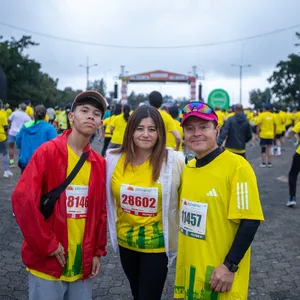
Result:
157,23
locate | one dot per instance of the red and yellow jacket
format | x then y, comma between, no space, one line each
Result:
46,170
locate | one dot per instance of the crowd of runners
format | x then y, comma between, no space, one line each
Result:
172,186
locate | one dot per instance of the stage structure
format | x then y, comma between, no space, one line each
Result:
157,76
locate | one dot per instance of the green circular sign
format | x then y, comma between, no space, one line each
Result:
219,97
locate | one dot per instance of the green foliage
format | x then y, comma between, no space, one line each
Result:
285,80
24,78
99,86
258,97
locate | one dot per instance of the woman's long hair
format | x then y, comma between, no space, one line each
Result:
159,153
126,112
117,109
39,113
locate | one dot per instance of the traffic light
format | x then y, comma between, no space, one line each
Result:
200,92
116,91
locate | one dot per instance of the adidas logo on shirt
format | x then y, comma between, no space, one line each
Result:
212,193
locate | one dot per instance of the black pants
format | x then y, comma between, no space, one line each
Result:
146,273
293,174
105,145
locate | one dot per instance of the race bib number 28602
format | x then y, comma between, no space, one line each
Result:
193,219
139,201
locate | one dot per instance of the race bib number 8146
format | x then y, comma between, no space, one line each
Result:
77,201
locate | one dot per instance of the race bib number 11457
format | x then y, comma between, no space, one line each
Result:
193,219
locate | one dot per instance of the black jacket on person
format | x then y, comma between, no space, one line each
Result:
238,132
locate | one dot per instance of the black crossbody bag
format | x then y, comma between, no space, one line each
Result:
48,201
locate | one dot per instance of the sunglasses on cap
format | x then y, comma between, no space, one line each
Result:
197,106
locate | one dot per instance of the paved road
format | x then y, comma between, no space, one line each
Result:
275,272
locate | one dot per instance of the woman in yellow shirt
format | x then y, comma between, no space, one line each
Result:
106,127
143,179
117,128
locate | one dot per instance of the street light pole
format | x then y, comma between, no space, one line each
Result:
241,67
87,67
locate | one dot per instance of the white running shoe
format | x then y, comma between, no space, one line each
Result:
291,203
7,174
263,165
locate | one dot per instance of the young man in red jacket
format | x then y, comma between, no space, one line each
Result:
62,254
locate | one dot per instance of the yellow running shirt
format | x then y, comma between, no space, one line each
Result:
170,136
170,126
119,125
221,117
8,112
213,200
266,121
77,203
296,129
29,111
3,122
289,119
139,208
107,123
297,117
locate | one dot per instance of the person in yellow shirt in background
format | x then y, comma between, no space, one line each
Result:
3,141
156,100
280,130
116,111
229,113
253,124
288,119
62,121
8,110
220,212
220,115
174,113
118,126
297,116
250,115
143,179
266,130
46,118
29,109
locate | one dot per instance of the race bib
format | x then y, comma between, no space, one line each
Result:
77,201
139,201
193,219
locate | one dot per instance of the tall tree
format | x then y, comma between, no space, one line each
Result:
24,78
99,86
285,79
258,97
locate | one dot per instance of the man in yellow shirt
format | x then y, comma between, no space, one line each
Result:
297,116
29,109
3,141
220,115
220,212
156,100
266,129
8,110
174,113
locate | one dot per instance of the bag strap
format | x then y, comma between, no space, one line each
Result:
58,190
